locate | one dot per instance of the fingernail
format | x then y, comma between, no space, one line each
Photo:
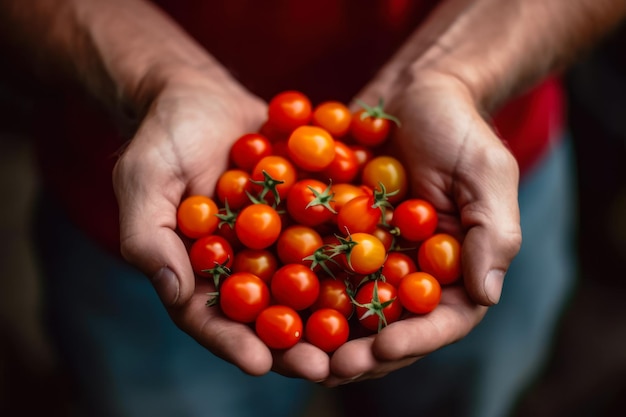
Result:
493,285
165,283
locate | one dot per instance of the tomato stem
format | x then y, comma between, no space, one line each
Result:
377,112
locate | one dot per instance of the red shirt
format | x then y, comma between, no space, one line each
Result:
328,49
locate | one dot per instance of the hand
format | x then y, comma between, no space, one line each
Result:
181,147
456,162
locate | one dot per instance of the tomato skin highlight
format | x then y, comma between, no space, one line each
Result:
311,148
327,329
279,327
344,167
258,226
416,219
209,251
295,286
440,256
242,297
195,216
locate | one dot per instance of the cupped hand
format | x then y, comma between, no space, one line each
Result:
180,148
457,162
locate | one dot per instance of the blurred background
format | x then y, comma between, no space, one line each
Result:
586,372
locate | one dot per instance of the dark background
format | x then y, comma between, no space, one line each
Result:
586,373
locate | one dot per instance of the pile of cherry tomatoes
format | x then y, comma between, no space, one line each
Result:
311,232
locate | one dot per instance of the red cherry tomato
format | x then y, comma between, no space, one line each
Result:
249,149
377,305
397,266
334,294
279,169
295,285
242,296
310,202
327,329
261,263
258,226
358,215
440,256
344,167
311,148
419,292
279,327
416,219
208,252
333,116
232,186
369,131
288,110
195,216
296,243
363,155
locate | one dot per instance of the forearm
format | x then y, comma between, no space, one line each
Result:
497,48
120,50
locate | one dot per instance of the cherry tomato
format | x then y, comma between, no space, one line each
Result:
363,155
249,149
390,172
416,219
358,215
310,202
232,186
296,242
333,116
440,256
397,266
334,294
311,148
369,131
367,255
279,169
258,226
288,110
344,192
242,296
295,285
259,262
419,292
279,327
208,252
195,216
377,305
327,329
344,167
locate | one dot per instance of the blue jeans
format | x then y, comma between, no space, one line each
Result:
129,359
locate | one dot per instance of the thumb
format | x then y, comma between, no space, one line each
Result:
147,202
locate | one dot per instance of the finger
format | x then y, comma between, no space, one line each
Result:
417,336
303,361
148,194
489,211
